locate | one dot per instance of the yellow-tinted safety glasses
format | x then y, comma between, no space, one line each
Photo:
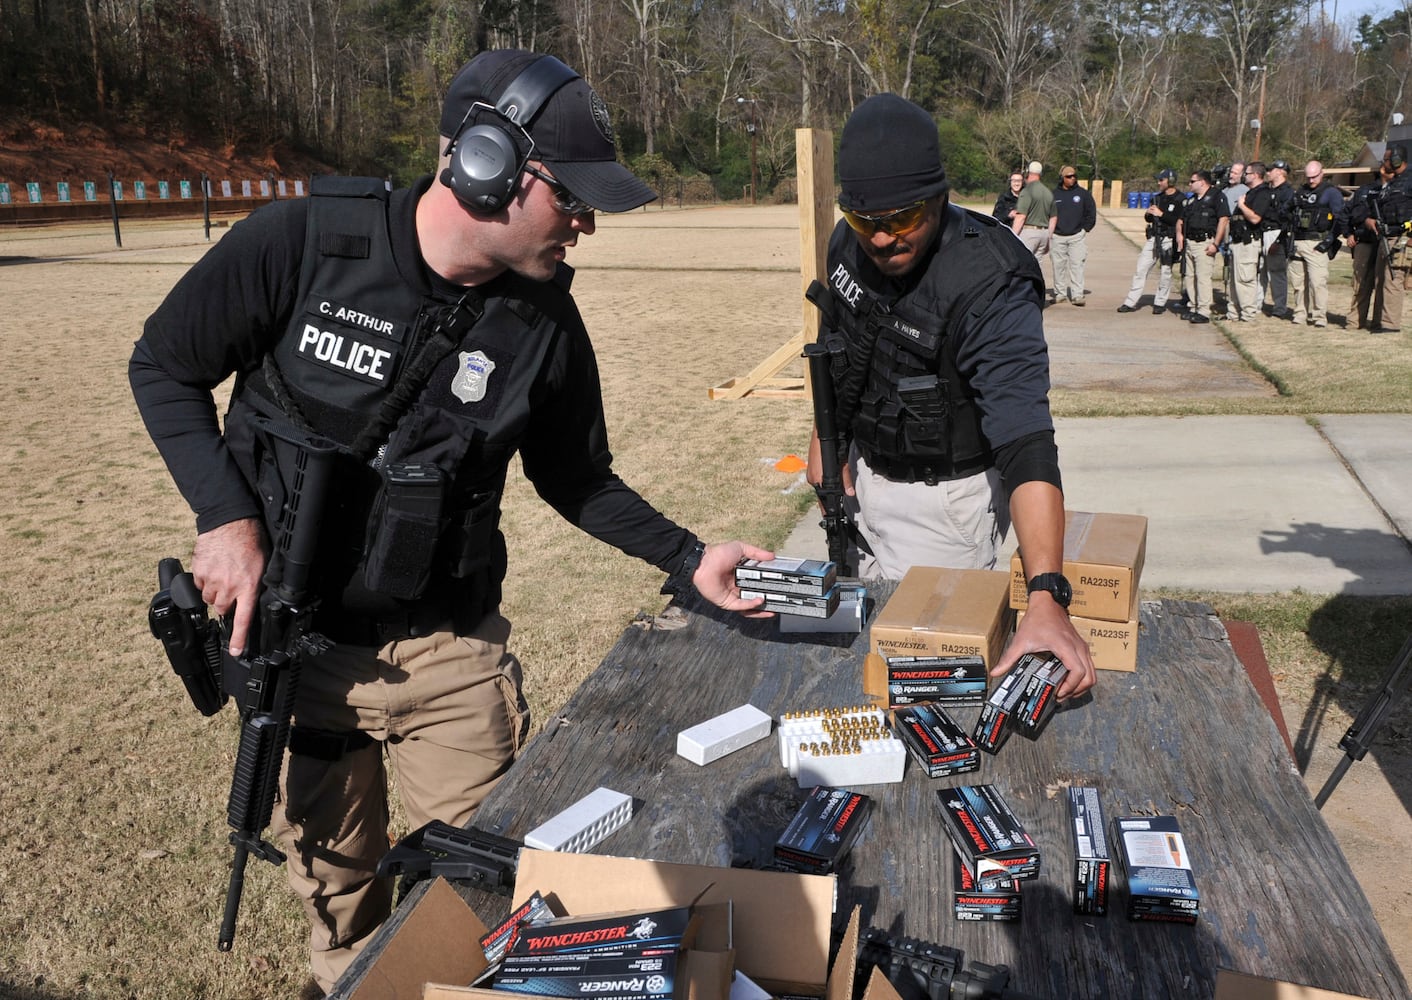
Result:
898,223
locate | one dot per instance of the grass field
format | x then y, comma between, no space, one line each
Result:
113,859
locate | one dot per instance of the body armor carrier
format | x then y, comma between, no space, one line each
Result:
1202,216
901,395
427,401
1312,220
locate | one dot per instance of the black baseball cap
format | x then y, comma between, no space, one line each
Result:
1166,174
1280,165
889,156
572,133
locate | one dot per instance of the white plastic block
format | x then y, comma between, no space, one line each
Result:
578,828
726,733
875,762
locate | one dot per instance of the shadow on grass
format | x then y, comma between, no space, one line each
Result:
11,990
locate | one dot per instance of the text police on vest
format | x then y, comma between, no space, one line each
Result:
344,352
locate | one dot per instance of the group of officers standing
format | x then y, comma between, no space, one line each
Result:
1279,238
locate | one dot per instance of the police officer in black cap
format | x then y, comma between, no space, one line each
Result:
942,377
429,328
1163,245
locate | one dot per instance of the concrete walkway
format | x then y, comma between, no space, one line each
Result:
1235,504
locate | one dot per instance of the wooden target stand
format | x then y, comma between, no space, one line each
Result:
813,153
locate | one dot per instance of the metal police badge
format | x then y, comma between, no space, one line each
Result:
471,377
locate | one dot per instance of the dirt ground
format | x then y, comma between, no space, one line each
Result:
70,289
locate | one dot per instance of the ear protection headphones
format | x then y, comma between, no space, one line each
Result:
488,158
1396,156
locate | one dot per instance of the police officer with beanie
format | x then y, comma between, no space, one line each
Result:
1162,247
932,315
1203,224
429,327
1318,204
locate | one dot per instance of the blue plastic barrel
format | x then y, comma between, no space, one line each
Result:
1147,199
1133,197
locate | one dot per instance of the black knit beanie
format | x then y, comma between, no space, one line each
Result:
889,156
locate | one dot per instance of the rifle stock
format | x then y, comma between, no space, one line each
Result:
837,521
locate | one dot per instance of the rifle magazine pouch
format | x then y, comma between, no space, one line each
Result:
404,530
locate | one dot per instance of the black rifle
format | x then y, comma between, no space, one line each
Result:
485,860
838,522
919,970
1375,209
295,475
1359,738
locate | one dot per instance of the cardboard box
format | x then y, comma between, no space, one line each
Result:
1240,986
944,612
1113,645
435,945
1103,557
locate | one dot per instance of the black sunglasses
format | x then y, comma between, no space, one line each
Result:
564,199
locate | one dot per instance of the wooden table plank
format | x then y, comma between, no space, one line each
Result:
1186,735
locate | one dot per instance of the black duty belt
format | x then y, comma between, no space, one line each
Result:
350,628
1243,242
1311,234
1074,233
930,473
1199,237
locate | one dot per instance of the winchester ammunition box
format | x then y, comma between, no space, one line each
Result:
1043,675
805,605
1103,558
999,903
823,830
1152,854
622,977
945,612
983,828
810,577
935,740
891,681
851,616
497,942
1091,859
623,933
993,725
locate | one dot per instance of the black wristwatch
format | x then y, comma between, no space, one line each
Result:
1057,585
680,581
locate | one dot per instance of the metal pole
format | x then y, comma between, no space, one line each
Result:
113,201
206,204
1260,112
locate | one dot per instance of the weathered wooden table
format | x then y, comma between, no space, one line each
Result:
1186,735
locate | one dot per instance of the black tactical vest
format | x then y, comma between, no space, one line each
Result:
1201,215
1311,219
901,394
358,321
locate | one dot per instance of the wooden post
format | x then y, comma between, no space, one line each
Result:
1097,192
813,151
1117,200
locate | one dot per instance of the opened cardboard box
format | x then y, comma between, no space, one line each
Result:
434,952
1103,557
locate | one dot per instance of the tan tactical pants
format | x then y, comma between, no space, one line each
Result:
448,713
1309,284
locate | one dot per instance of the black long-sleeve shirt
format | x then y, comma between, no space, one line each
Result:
229,310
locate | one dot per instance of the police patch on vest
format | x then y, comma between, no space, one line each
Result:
472,376
346,354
